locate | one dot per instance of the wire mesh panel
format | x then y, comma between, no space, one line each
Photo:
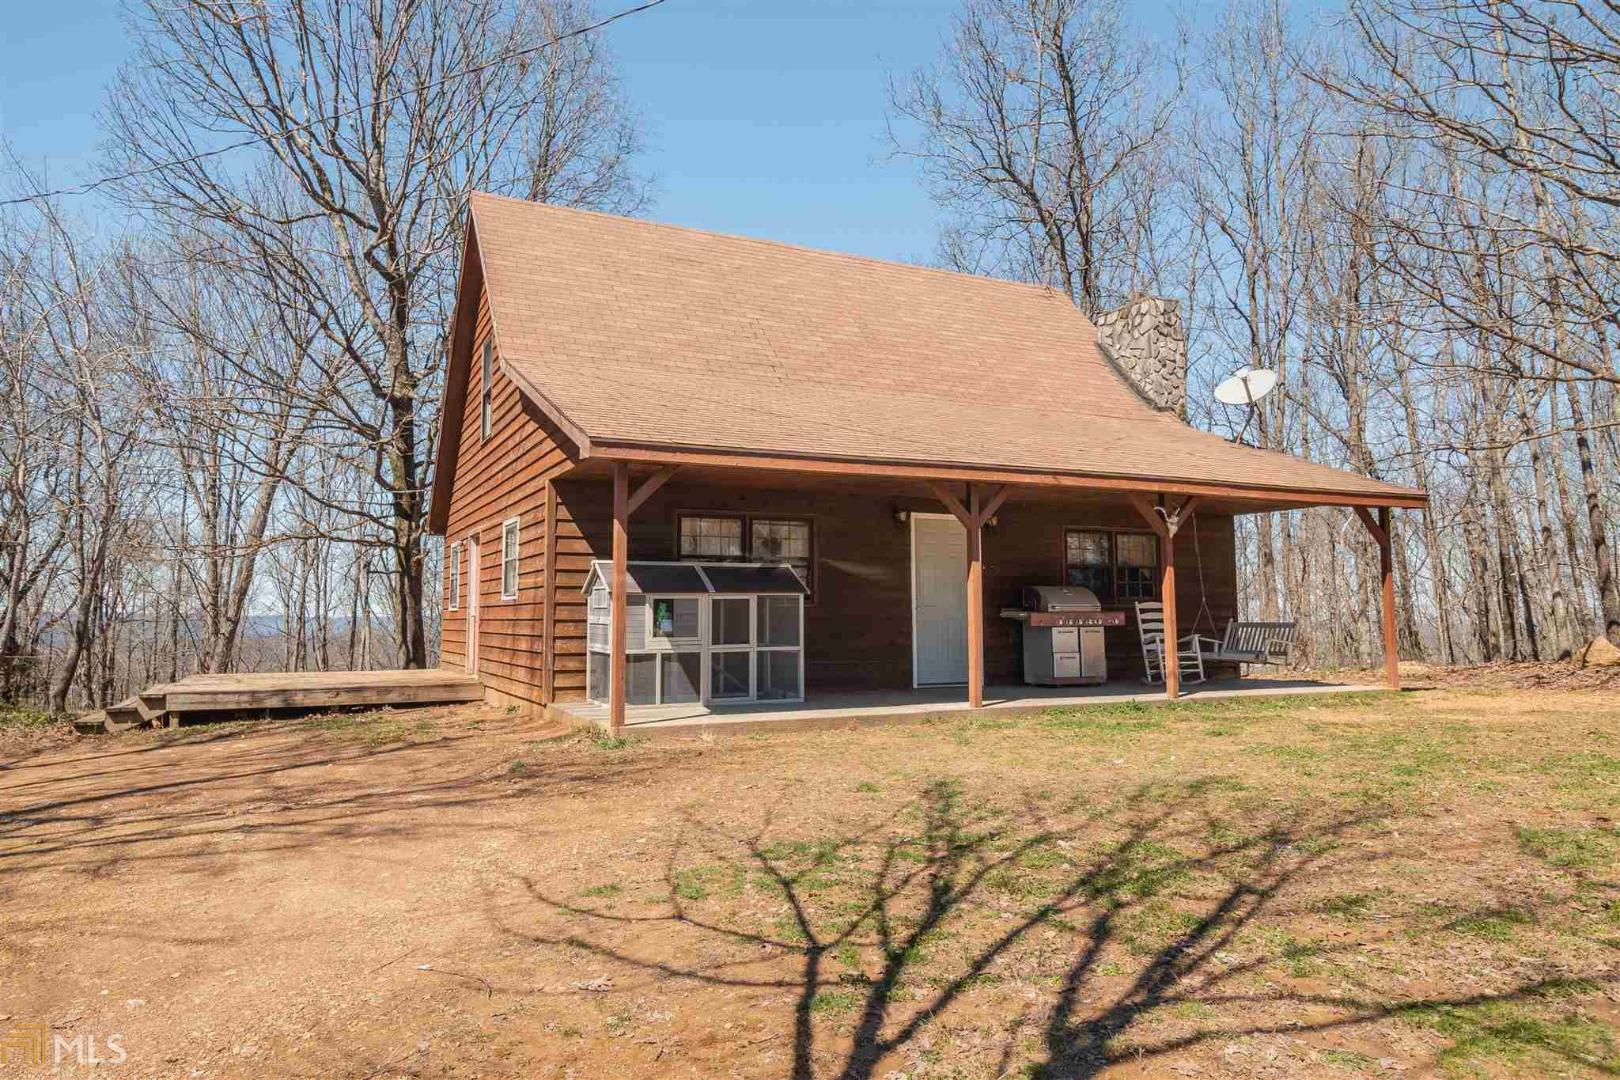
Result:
728,674
681,677
778,675
778,620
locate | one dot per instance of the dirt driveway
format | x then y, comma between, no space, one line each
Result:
1380,886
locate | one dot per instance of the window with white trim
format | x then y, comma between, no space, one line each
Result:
509,559
455,577
486,412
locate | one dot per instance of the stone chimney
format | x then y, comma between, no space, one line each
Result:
1147,342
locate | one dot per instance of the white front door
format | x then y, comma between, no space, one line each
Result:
938,600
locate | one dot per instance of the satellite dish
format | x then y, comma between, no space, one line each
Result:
1246,386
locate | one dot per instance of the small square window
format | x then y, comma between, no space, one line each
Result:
773,541
1137,549
711,538
1086,548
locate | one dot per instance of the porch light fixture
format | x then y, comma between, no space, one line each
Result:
901,516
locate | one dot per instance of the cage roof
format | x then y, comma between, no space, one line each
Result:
699,578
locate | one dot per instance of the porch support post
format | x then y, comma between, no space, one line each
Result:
625,503
1380,530
616,597
973,515
975,602
1165,525
1172,632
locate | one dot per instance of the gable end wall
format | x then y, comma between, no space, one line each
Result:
501,478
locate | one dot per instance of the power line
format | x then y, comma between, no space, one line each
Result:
92,185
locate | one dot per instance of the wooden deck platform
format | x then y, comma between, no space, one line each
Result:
196,695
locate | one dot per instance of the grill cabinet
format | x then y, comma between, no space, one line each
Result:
1063,635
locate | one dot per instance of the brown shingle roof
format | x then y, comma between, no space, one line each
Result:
652,335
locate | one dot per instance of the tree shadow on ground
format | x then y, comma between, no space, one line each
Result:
1159,875
283,789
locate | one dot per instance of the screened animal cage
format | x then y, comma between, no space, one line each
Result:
708,632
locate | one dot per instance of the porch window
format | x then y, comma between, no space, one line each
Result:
710,537
1120,567
1088,561
1136,562
455,577
782,541
724,537
509,559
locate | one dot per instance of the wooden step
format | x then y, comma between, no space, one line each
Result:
125,715
152,704
108,721
91,723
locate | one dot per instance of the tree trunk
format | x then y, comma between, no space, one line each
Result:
1597,521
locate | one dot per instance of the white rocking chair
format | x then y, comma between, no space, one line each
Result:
1150,624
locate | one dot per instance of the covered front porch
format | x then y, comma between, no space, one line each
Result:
833,709
890,627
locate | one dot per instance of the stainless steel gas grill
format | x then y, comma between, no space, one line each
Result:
1063,635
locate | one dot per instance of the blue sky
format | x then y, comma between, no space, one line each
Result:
766,117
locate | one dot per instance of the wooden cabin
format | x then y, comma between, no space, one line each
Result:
625,399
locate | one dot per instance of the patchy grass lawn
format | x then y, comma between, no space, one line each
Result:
1357,885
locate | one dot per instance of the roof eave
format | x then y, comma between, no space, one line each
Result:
452,401
472,278
655,453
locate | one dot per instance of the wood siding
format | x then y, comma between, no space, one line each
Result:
495,480
858,623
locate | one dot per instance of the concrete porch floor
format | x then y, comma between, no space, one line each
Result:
838,709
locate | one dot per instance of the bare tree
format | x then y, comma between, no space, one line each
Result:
369,122
1028,130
